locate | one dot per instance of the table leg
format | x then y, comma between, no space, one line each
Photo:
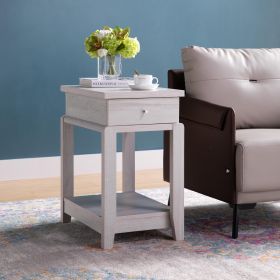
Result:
177,180
128,163
67,166
108,196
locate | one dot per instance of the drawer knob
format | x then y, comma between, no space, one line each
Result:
144,111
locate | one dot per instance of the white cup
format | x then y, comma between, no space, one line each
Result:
145,80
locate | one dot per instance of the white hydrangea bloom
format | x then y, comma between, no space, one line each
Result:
102,33
102,52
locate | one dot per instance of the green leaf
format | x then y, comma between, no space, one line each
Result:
120,47
126,32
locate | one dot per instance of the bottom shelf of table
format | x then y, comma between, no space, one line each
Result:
135,212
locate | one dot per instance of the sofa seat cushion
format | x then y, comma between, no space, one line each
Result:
257,160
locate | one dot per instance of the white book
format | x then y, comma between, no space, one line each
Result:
94,82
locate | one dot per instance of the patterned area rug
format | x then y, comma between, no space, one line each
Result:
35,245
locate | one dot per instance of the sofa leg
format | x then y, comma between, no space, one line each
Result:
246,206
168,203
235,221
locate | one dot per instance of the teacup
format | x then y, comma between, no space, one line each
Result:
145,80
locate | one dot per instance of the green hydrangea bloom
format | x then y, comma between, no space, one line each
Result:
131,47
111,44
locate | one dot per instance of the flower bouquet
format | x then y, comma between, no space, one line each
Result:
108,45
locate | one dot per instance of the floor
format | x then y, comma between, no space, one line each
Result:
35,245
84,184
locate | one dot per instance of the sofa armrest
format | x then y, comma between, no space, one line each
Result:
196,110
209,147
176,79
203,112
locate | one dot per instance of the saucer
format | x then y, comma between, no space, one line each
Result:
144,87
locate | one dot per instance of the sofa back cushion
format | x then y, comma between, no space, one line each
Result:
247,80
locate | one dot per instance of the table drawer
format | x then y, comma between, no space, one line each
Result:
143,111
123,111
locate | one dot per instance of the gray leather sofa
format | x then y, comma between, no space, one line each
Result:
231,114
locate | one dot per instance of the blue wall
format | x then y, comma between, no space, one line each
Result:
41,47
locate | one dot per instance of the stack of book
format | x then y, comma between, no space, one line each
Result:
96,83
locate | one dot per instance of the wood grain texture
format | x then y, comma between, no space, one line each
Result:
84,185
177,180
123,110
119,128
118,93
128,162
142,222
143,111
84,215
108,190
86,108
129,204
134,212
83,124
128,111
67,166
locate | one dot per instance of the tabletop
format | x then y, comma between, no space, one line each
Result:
119,93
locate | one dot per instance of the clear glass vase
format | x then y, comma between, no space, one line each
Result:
109,67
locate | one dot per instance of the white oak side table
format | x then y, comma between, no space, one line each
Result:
112,111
